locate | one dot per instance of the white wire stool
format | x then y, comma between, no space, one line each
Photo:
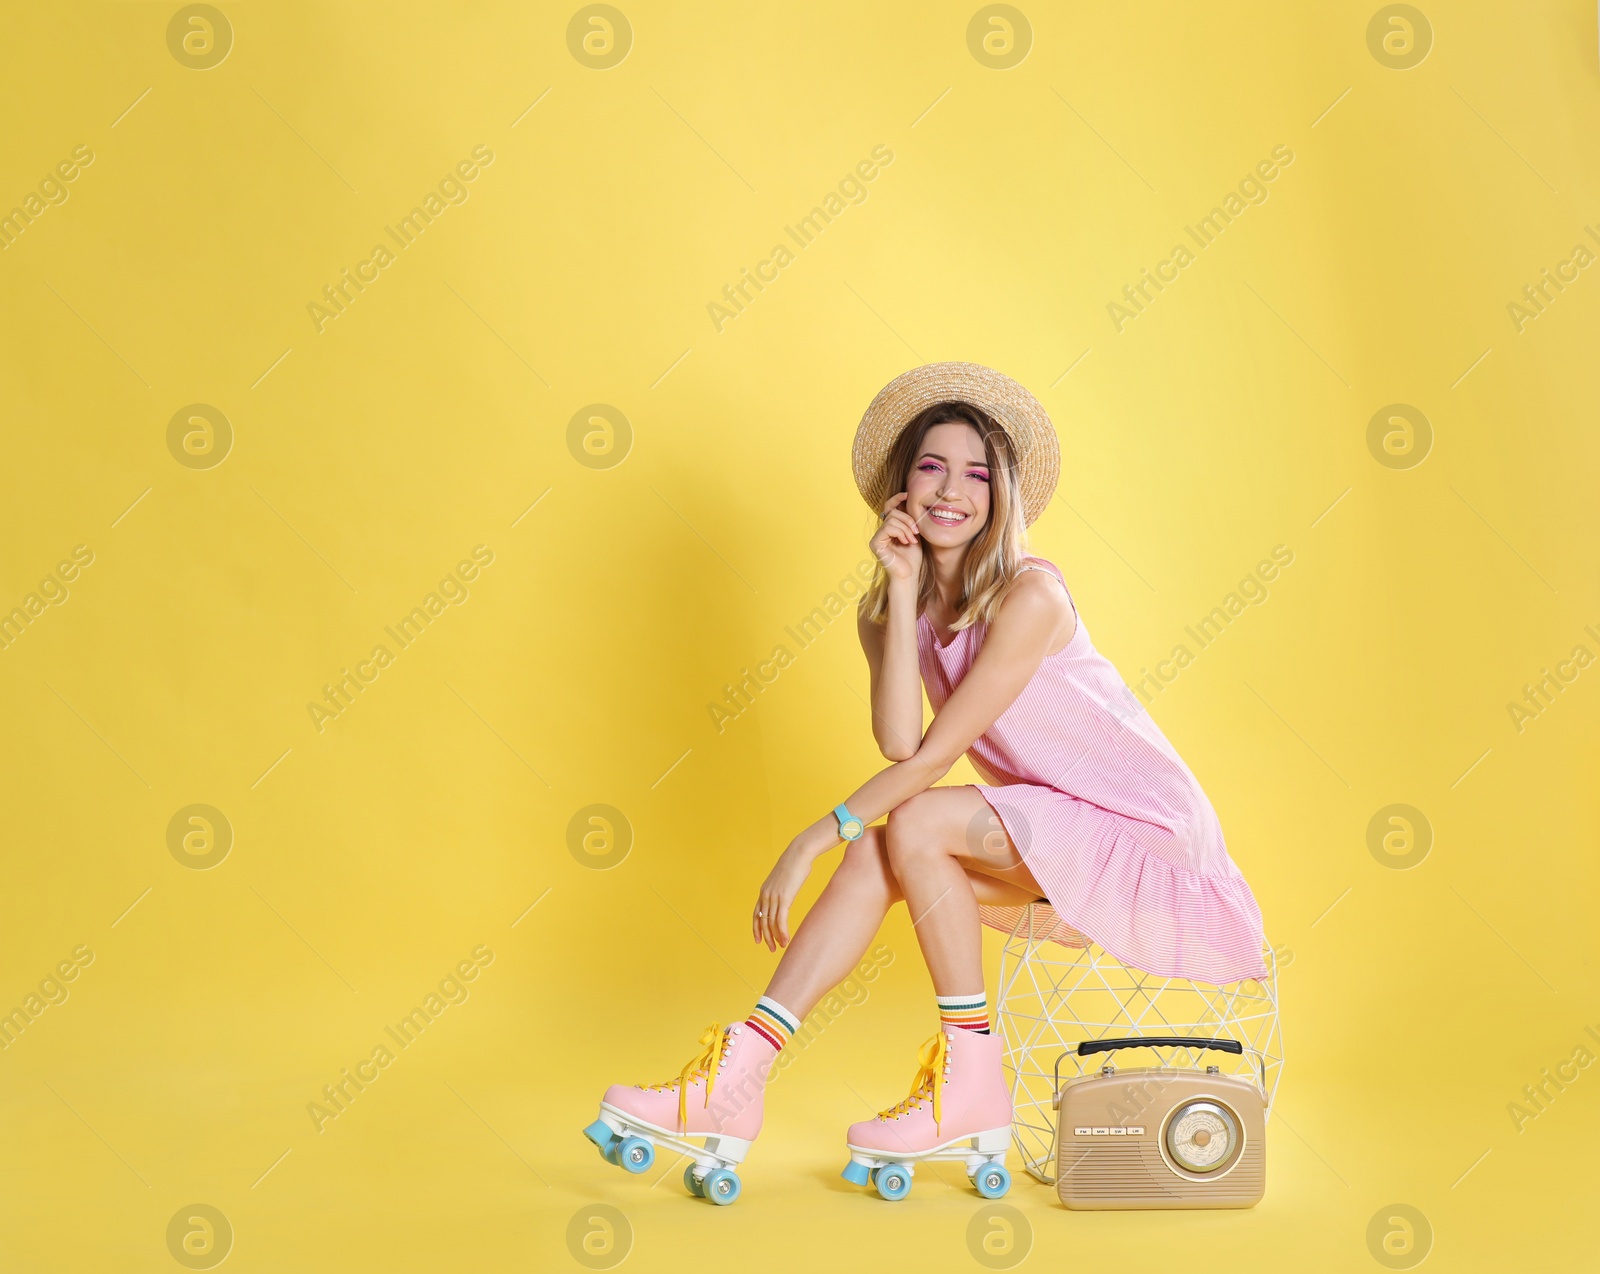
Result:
1056,991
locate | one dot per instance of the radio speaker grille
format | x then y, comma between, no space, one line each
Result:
1136,1170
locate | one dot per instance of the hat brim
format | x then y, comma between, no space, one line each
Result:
1018,412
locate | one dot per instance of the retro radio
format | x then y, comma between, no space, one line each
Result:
1158,1136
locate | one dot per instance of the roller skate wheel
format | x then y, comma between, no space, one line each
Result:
635,1154
721,1186
857,1174
992,1180
892,1181
691,1184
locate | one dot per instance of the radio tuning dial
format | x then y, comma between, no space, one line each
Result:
1202,1136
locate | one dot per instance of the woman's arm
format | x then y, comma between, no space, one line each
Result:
891,649
1033,613
895,677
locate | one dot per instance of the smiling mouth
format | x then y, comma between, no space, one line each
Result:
947,517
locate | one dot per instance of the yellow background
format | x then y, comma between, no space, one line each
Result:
368,459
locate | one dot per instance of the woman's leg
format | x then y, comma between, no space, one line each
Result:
954,824
836,932
948,851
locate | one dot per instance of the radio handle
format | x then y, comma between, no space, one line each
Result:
1086,1048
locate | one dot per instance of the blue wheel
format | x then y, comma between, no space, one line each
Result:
635,1154
721,1186
693,1186
893,1181
857,1174
992,1180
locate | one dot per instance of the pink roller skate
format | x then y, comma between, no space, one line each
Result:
959,1109
717,1096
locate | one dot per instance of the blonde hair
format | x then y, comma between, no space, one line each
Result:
995,556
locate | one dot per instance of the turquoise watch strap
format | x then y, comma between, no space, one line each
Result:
850,827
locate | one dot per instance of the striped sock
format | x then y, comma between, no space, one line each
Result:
772,1022
970,1012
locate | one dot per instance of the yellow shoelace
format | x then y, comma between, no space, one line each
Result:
712,1041
929,1080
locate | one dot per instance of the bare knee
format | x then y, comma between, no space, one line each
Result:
916,832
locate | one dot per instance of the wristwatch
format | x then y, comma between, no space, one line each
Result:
850,827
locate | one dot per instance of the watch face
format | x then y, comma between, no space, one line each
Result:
851,830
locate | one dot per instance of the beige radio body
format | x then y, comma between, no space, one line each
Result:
1160,1137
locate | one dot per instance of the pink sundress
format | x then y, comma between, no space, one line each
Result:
1111,822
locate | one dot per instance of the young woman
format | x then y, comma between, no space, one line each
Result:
1084,805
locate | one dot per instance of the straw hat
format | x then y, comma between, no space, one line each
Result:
1025,421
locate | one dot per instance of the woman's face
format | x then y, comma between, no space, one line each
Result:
947,490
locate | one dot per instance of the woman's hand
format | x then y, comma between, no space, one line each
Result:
770,920
898,543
